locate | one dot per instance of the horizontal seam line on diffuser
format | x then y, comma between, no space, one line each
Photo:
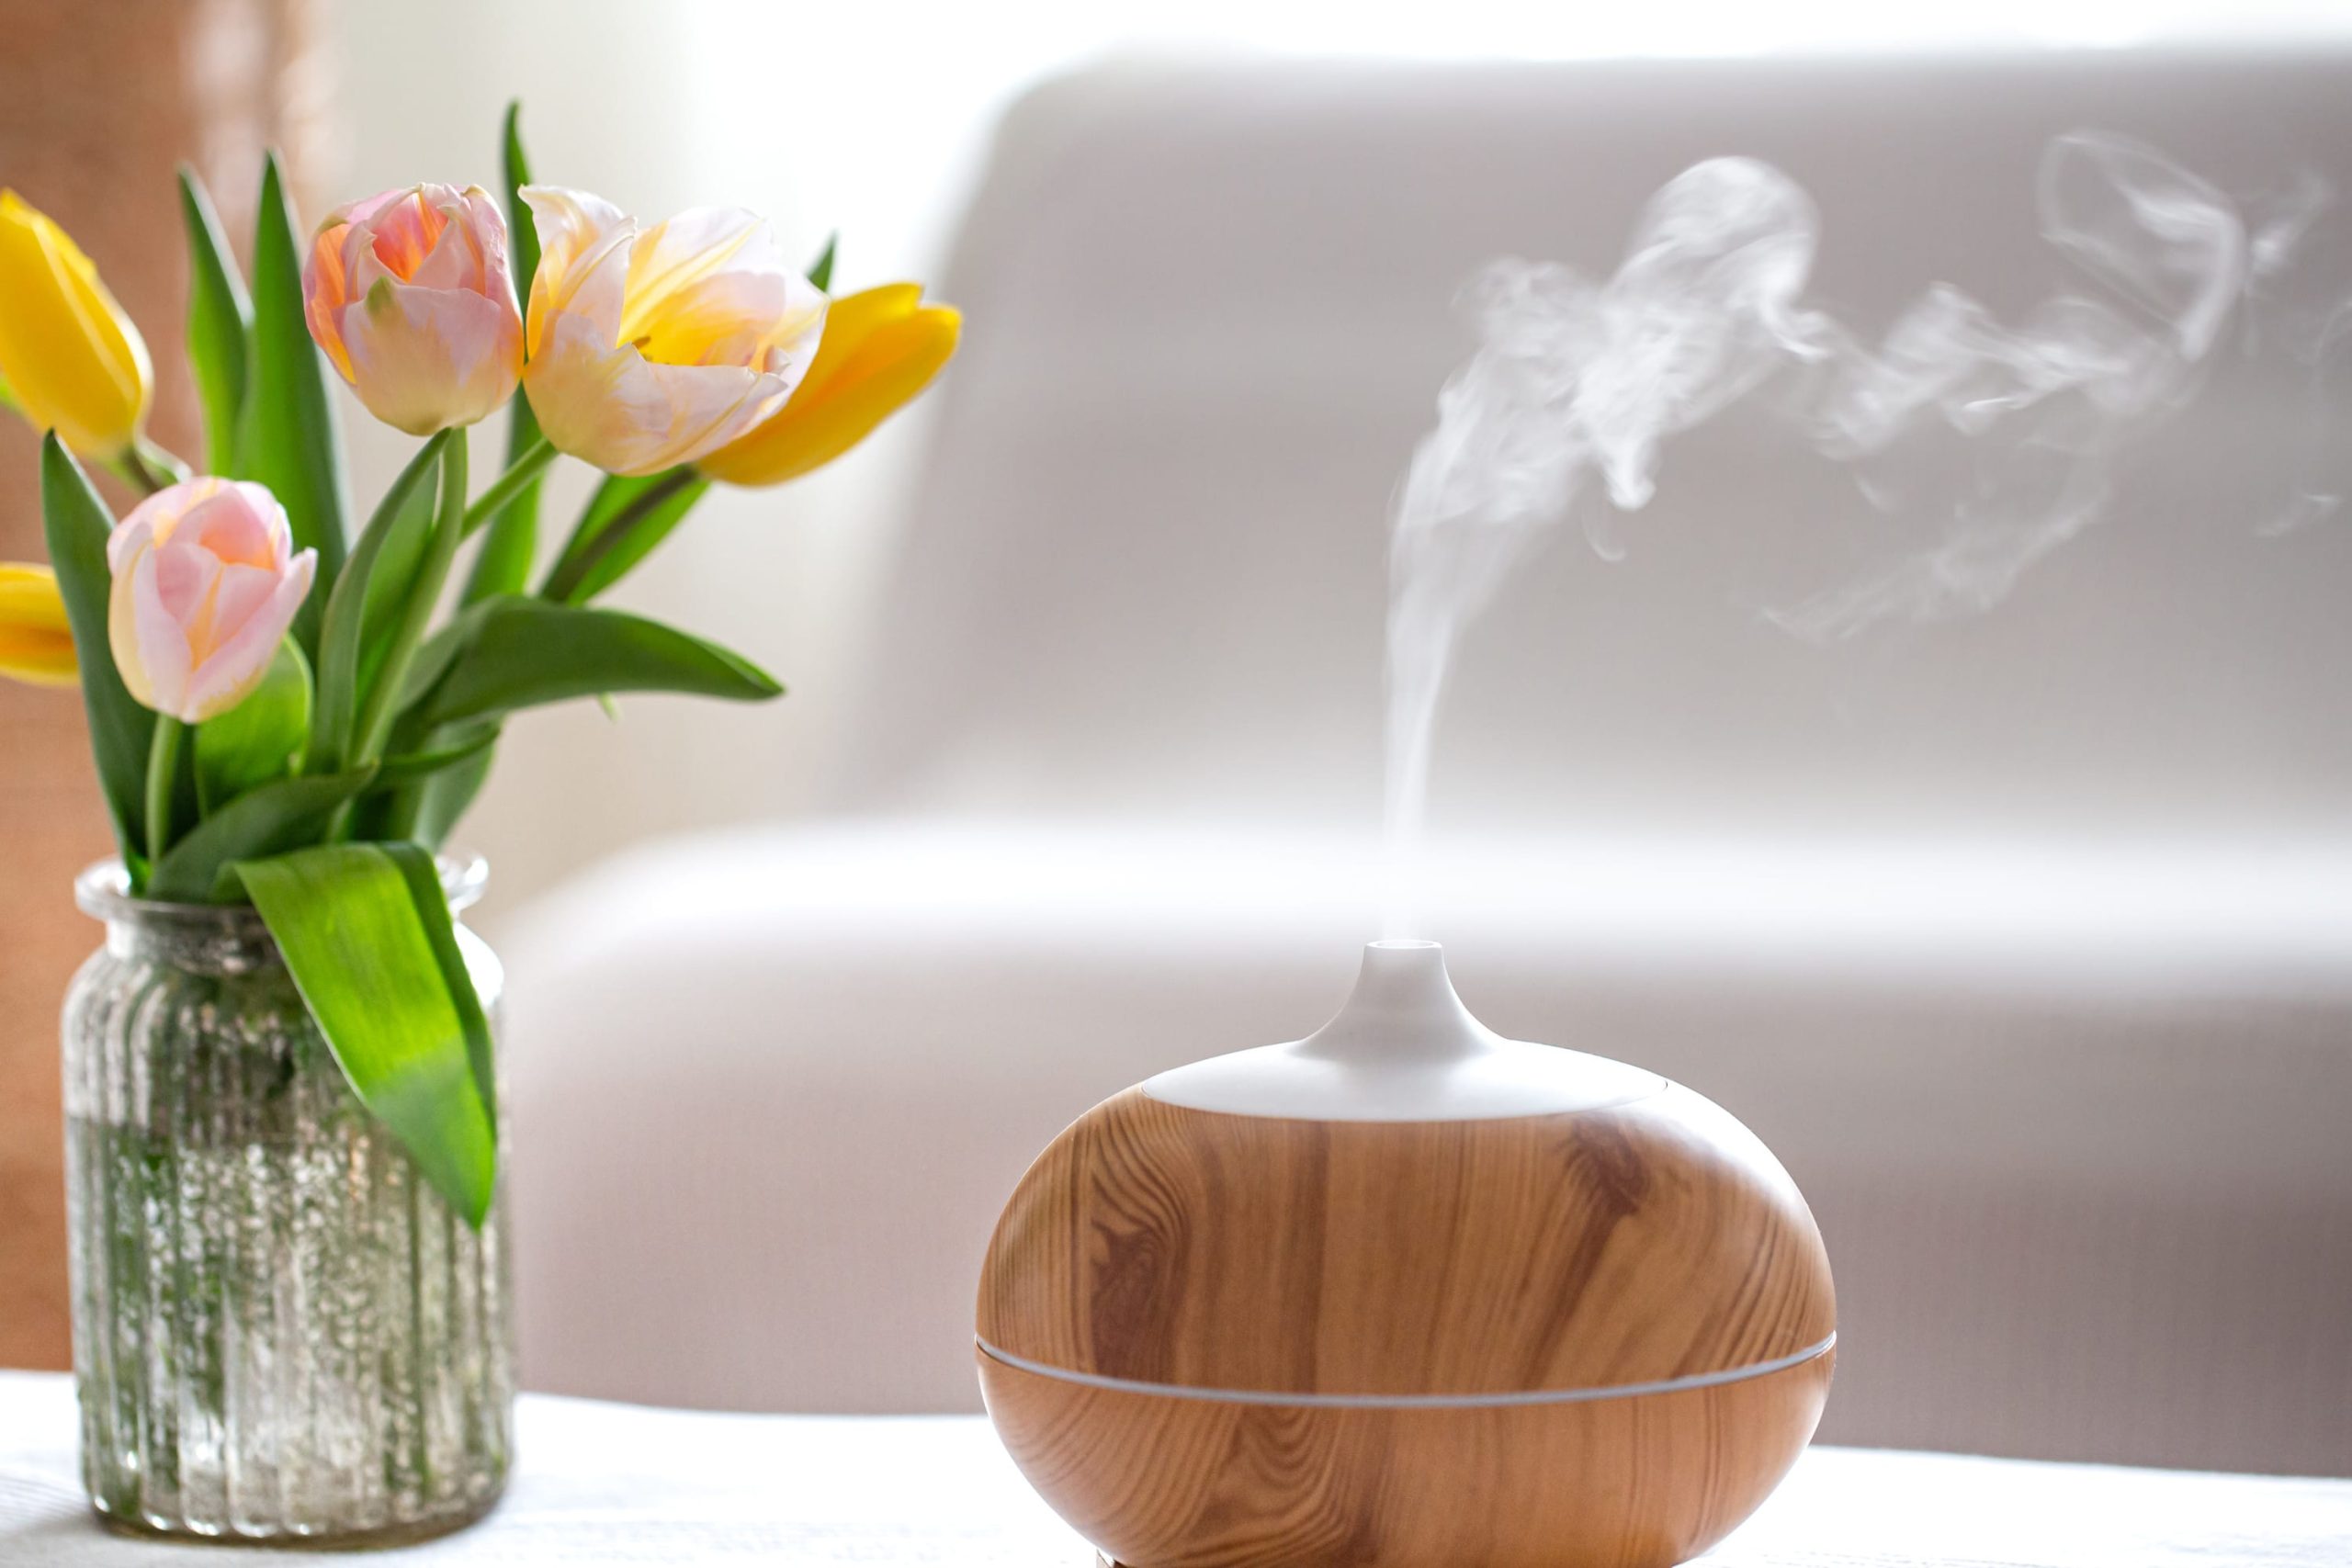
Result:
1413,1401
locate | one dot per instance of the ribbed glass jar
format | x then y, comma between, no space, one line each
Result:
280,1331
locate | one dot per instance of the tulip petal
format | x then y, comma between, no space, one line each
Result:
326,283
711,285
241,591
183,577
879,351
456,260
37,659
28,597
674,255
364,212
402,234
584,260
629,416
228,526
237,665
425,358
36,641
150,649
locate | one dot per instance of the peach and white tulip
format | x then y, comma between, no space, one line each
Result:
205,582
654,348
411,297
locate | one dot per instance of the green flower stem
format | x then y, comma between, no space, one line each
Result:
148,467
163,770
510,484
376,716
571,570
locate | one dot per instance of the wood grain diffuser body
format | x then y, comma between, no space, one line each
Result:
1406,1294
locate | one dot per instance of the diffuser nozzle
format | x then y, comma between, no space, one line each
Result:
1404,1048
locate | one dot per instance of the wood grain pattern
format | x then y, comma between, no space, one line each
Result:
1165,1481
1637,1242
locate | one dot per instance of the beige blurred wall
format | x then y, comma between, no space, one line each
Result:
98,105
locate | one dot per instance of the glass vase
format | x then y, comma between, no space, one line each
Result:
281,1333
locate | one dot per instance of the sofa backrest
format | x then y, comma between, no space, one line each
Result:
1209,310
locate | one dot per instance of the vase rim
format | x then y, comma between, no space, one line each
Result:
103,892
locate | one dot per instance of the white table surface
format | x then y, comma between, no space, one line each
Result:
612,1483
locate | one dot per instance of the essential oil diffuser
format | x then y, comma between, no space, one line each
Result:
1406,1294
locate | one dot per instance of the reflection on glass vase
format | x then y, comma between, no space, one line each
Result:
281,1330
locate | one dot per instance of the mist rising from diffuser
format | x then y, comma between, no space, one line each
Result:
1575,380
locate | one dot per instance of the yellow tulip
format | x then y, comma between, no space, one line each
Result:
36,645
68,354
880,348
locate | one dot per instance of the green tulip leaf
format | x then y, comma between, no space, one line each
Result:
267,820
437,652
397,531
504,563
522,232
620,526
527,652
259,738
219,325
393,578
821,274
415,767
394,654
121,731
366,933
289,438
444,798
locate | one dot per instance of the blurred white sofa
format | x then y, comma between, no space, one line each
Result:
2025,941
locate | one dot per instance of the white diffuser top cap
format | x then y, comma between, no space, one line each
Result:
1403,1049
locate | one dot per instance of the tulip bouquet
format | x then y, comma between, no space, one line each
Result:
292,714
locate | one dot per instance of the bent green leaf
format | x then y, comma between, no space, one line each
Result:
267,820
445,797
366,933
622,524
77,523
439,651
415,767
526,652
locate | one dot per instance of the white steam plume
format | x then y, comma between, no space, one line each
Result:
1572,376
2050,401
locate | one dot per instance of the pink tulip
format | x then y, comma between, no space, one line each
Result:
206,582
409,295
